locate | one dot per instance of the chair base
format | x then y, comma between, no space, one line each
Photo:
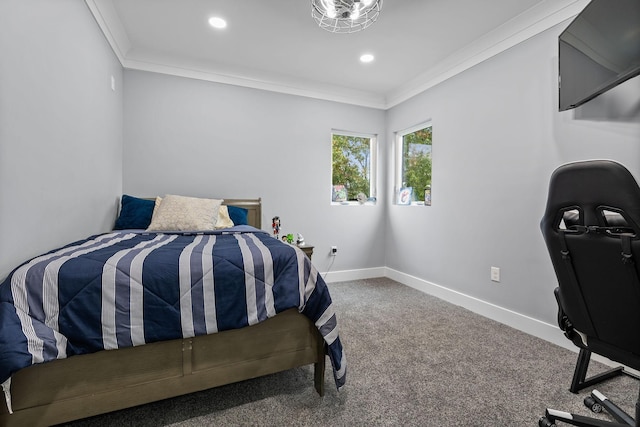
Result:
580,381
597,402
551,416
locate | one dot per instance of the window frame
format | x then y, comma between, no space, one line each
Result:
399,160
373,168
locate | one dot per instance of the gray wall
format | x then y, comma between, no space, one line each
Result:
497,136
60,128
204,139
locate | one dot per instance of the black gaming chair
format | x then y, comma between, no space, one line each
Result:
591,227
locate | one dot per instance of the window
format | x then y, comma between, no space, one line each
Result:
353,172
413,165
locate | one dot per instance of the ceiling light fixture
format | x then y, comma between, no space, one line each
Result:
345,16
217,22
367,57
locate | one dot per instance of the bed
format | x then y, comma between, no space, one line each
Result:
84,380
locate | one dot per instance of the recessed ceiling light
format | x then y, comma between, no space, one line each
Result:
217,22
367,57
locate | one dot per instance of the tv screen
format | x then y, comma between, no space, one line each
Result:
599,50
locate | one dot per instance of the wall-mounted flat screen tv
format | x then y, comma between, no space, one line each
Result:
599,50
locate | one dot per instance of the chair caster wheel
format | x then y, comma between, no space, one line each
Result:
544,422
592,404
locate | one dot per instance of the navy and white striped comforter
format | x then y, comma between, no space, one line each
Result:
127,288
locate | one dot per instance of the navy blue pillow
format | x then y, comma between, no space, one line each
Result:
134,213
238,215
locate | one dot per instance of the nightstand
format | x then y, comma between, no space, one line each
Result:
308,250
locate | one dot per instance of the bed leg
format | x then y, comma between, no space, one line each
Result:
319,377
319,371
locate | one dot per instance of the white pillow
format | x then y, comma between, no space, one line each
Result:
180,213
224,220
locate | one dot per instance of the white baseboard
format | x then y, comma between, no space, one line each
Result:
546,331
511,318
537,328
344,275
519,321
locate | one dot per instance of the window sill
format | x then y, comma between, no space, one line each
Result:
413,204
353,203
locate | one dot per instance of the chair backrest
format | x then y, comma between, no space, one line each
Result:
591,226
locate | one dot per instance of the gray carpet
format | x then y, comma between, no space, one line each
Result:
413,360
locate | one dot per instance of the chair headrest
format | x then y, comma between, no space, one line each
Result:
596,189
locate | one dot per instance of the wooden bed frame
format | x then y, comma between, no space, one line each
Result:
86,385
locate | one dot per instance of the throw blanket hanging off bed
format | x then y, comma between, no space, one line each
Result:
126,289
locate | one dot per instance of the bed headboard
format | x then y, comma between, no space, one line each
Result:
253,207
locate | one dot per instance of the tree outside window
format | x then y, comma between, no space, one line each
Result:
416,161
352,170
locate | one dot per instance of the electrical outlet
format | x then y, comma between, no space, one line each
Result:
334,250
495,274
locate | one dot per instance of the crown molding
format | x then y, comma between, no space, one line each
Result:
289,87
524,26
519,29
109,22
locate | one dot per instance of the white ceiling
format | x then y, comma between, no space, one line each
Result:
276,45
